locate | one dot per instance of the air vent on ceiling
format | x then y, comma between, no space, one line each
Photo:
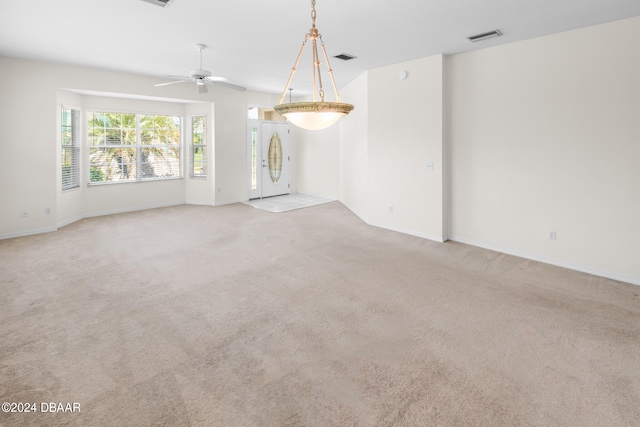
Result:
162,3
484,36
345,56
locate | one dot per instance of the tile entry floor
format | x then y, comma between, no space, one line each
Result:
287,202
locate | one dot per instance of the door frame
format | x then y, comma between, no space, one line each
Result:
261,156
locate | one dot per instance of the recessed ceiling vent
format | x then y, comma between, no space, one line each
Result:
345,57
161,3
484,36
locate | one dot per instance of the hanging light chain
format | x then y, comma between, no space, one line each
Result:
317,78
313,115
314,35
329,70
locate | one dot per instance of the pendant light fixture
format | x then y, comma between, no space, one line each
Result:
316,114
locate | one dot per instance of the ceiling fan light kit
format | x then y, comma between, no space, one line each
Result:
313,115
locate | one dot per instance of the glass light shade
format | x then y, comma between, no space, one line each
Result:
313,115
313,120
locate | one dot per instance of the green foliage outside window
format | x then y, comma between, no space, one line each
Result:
130,147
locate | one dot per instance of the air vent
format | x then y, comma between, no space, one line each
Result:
484,36
345,57
161,3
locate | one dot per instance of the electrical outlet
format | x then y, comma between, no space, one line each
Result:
552,235
24,213
430,166
390,209
47,211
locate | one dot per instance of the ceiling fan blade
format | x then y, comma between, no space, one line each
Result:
230,86
218,79
171,83
202,77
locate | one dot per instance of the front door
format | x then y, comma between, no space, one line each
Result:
270,159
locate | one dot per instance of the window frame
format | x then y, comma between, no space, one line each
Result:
138,146
203,145
71,180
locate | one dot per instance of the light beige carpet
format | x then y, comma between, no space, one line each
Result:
231,316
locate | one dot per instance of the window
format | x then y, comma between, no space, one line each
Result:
199,147
133,147
70,148
254,158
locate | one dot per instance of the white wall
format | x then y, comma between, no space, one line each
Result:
405,134
545,136
29,116
231,172
354,135
316,167
28,121
394,132
526,138
108,198
201,190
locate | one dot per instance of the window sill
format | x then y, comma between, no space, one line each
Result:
100,184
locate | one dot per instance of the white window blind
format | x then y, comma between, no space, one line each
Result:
70,138
198,147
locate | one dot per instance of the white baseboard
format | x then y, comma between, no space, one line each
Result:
69,221
200,203
559,263
125,210
113,212
229,202
79,217
28,232
435,238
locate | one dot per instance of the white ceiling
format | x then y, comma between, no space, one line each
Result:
255,43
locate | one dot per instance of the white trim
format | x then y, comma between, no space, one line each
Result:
28,233
77,143
92,215
70,221
200,203
228,202
116,211
103,213
100,183
191,146
130,96
125,210
435,238
552,261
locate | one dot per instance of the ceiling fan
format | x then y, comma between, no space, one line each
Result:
203,77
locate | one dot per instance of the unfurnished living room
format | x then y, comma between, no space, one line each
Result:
319,213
